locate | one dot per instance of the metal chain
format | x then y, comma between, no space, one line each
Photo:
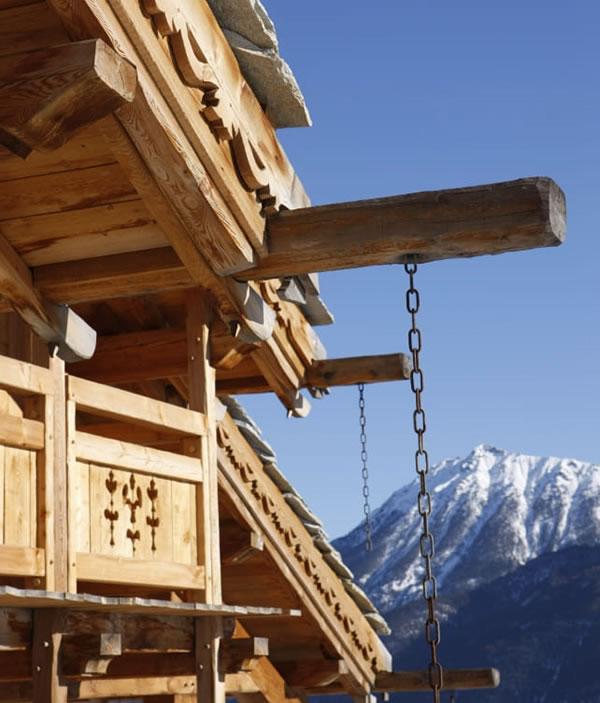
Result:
365,470
426,543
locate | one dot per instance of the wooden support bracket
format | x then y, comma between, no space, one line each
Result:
428,226
56,324
46,96
358,369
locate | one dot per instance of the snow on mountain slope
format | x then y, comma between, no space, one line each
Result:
492,512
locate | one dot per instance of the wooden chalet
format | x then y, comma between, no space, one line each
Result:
157,252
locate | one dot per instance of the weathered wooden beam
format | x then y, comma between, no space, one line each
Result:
313,673
46,96
242,654
358,369
47,683
408,681
56,324
427,226
237,544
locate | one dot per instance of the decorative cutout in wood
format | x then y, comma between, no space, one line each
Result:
133,503
110,513
153,521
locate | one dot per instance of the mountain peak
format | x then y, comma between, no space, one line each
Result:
492,511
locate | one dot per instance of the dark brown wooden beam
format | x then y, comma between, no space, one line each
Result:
358,369
313,673
46,96
428,226
407,681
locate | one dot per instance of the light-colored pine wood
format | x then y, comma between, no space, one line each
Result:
202,397
132,457
20,376
87,149
101,568
48,95
112,402
429,226
79,508
113,276
62,192
17,497
21,561
184,522
84,234
56,479
23,433
2,459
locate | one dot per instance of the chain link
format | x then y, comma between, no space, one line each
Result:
365,470
426,542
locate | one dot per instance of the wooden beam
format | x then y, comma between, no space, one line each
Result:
313,673
47,683
47,96
409,681
210,682
358,369
56,324
427,226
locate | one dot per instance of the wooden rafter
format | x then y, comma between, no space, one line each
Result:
428,226
55,324
48,95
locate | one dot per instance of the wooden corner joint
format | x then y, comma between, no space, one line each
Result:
48,95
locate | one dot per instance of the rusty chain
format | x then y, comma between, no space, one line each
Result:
365,470
426,542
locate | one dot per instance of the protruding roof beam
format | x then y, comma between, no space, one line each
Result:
358,369
46,96
427,226
56,324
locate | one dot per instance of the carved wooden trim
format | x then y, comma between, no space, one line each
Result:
287,532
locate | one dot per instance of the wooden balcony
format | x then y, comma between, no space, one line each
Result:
101,489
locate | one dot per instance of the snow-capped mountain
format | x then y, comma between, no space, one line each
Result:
493,511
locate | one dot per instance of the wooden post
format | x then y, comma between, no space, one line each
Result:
58,494
211,682
46,674
202,396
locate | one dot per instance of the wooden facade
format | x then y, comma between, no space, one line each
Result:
156,251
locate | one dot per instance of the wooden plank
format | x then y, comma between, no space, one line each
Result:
428,226
17,491
148,355
56,481
29,27
309,673
64,192
20,376
185,548
99,568
79,482
132,457
78,493
83,234
20,432
87,149
54,324
21,561
114,276
113,402
2,490
48,95
358,369
202,397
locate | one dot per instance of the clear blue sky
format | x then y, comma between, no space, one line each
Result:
409,96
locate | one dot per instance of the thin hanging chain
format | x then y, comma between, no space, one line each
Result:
365,470
426,543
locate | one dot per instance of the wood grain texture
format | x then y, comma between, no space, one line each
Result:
120,570
112,229
428,226
30,27
113,402
22,433
48,95
358,369
21,561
